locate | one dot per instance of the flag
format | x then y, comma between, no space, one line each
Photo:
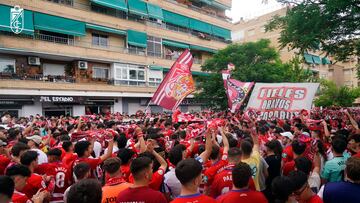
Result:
236,91
177,84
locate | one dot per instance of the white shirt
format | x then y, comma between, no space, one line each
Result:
172,184
42,158
314,180
97,149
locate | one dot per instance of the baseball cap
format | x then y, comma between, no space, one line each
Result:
2,143
288,135
305,134
35,138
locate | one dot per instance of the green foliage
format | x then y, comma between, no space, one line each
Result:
331,95
333,24
254,62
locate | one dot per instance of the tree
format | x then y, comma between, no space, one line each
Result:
255,62
331,95
329,25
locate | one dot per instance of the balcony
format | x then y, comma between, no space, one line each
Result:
78,43
37,77
149,22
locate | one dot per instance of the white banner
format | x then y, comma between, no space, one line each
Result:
282,100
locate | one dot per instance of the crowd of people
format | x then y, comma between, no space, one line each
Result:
210,157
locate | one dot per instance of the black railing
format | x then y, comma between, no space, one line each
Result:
47,78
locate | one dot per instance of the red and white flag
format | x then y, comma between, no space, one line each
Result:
177,84
236,91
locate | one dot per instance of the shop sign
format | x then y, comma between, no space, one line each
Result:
15,102
58,99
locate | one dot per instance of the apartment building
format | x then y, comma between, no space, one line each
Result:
80,57
325,67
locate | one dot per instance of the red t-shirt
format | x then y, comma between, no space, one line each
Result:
140,194
315,199
237,196
288,167
33,184
62,175
288,154
357,155
19,197
93,164
69,158
125,170
195,198
156,180
4,161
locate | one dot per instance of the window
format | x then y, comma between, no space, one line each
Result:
100,40
251,32
347,71
129,74
154,82
154,46
100,72
7,66
136,50
239,35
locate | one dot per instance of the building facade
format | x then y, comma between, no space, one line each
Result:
342,73
79,57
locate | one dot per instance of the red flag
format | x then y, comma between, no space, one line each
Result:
177,84
236,91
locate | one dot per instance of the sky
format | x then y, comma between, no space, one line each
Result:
248,9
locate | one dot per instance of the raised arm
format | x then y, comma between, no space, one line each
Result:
109,150
326,130
225,140
255,139
208,146
352,120
141,141
160,159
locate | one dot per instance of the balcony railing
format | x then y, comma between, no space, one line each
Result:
123,15
47,78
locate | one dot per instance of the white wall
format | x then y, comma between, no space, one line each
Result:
118,106
78,110
134,107
28,110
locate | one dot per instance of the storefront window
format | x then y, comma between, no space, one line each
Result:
7,66
100,72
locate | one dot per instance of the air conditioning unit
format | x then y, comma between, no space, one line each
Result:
33,60
83,65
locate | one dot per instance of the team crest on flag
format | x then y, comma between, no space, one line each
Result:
17,19
236,91
177,84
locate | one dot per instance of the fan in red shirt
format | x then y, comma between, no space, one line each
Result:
20,174
4,161
35,182
158,176
303,192
84,149
59,171
125,156
286,140
141,169
188,172
241,174
223,179
298,148
69,156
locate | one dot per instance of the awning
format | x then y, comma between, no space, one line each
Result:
137,7
221,32
135,38
200,26
115,4
200,48
59,25
28,25
326,60
308,58
208,2
155,67
155,11
175,44
176,19
105,29
220,6
316,59
198,73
